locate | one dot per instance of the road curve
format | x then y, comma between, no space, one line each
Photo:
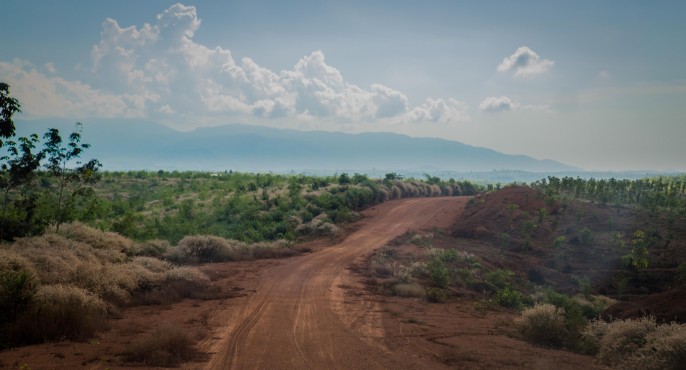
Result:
299,317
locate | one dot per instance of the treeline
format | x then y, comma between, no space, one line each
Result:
651,194
241,206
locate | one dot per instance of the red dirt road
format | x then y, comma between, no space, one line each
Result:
299,317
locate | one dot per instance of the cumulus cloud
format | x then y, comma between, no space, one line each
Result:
159,71
498,104
440,110
524,63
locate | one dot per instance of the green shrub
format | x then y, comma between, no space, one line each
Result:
439,273
508,297
17,289
586,236
167,346
559,241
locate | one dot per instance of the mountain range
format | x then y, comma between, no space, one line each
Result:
137,144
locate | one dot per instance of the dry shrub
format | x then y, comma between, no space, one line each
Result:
206,248
637,343
12,261
60,312
151,248
622,338
665,349
543,324
168,345
96,238
152,264
101,268
396,193
408,290
590,336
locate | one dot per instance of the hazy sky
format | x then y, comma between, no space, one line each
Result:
596,84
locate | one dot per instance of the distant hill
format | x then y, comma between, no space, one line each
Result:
131,144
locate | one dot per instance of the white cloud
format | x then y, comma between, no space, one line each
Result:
524,63
50,68
494,104
159,71
440,110
498,104
43,96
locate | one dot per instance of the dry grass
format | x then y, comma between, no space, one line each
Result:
543,324
59,312
167,346
86,275
622,338
637,343
207,248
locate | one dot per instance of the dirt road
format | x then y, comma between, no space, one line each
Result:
299,317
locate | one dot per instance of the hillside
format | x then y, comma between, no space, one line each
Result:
146,145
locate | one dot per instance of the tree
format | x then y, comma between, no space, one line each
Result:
8,107
61,155
17,166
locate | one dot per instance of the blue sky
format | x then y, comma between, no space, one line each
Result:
596,84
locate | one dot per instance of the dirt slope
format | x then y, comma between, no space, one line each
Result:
299,317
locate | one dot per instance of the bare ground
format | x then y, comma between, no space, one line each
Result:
313,312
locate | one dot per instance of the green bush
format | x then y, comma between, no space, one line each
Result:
508,297
439,273
17,289
586,236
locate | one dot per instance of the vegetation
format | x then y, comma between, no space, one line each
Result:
167,346
66,284
652,194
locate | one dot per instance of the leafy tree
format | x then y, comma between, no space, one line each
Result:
8,107
17,166
59,156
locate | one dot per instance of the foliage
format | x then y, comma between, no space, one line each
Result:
439,273
26,208
18,162
59,156
509,297
17,289
650,194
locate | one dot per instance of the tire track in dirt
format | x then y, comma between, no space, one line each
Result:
299,317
